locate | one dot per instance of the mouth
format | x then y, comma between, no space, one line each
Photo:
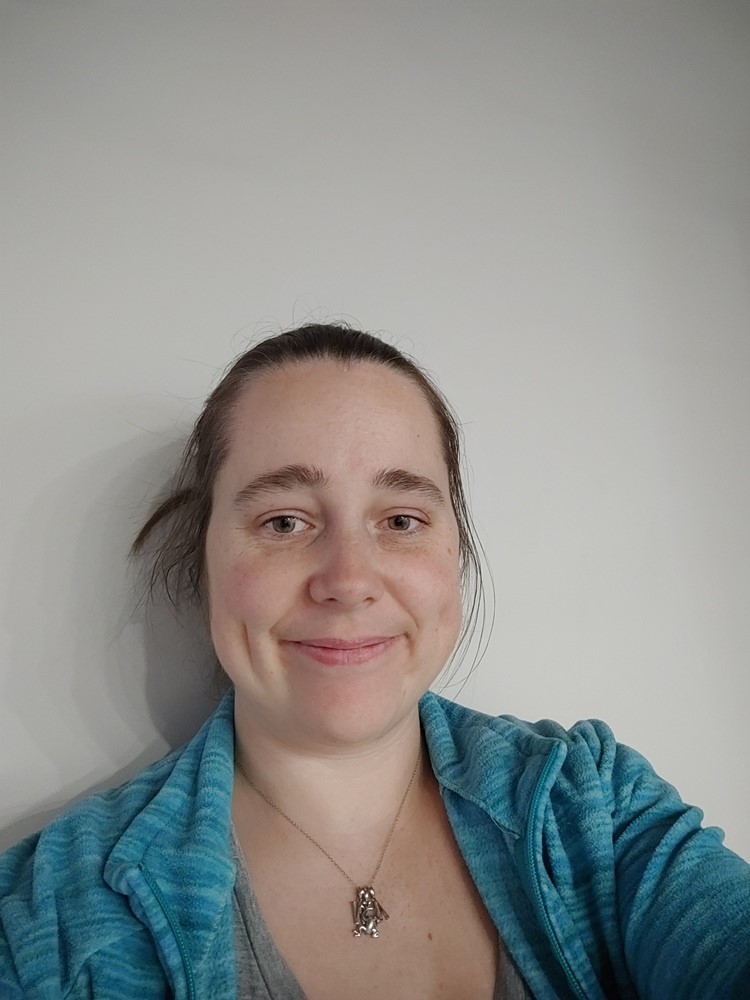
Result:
334,651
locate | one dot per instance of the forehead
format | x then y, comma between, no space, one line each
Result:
361,412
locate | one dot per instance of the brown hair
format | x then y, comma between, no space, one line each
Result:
178,561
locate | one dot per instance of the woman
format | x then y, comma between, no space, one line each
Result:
334,831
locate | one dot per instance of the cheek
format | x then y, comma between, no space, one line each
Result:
241,614
235,599
440,591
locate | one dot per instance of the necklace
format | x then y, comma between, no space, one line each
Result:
367,910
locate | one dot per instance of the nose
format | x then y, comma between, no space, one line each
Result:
348,573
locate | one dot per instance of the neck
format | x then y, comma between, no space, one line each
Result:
332,791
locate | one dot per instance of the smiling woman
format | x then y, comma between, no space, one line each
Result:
320,520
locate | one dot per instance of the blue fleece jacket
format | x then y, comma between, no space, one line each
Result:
599,878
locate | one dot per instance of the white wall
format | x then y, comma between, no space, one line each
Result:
548,202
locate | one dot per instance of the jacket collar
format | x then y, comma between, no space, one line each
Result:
181,838
496,762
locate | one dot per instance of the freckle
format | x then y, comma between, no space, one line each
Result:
429,935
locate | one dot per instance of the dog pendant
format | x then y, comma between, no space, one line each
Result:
368,913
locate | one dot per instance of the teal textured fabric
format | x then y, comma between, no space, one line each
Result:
599,878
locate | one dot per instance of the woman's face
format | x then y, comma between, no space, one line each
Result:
332,553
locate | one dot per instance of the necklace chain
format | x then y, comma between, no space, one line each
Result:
312,839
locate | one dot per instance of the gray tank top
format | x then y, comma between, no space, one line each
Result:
262,974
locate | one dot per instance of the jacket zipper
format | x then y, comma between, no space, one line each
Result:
536,881
175,927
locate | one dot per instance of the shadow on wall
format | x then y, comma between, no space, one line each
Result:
130,679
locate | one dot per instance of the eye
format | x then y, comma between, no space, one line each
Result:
403,523
285,524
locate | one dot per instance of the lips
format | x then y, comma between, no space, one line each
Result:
337,651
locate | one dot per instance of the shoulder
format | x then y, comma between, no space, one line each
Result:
64,881
83,835
457,730
576,787
95,824
54,882
577,769
77,842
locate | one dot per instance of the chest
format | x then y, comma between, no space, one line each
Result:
438,940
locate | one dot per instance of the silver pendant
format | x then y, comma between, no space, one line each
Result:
367,912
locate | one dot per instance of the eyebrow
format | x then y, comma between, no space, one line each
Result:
287,478
401,481
291,477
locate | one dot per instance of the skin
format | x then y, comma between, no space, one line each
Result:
334,597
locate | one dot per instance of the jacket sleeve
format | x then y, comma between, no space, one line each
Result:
683,899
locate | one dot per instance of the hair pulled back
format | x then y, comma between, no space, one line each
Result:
182,516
